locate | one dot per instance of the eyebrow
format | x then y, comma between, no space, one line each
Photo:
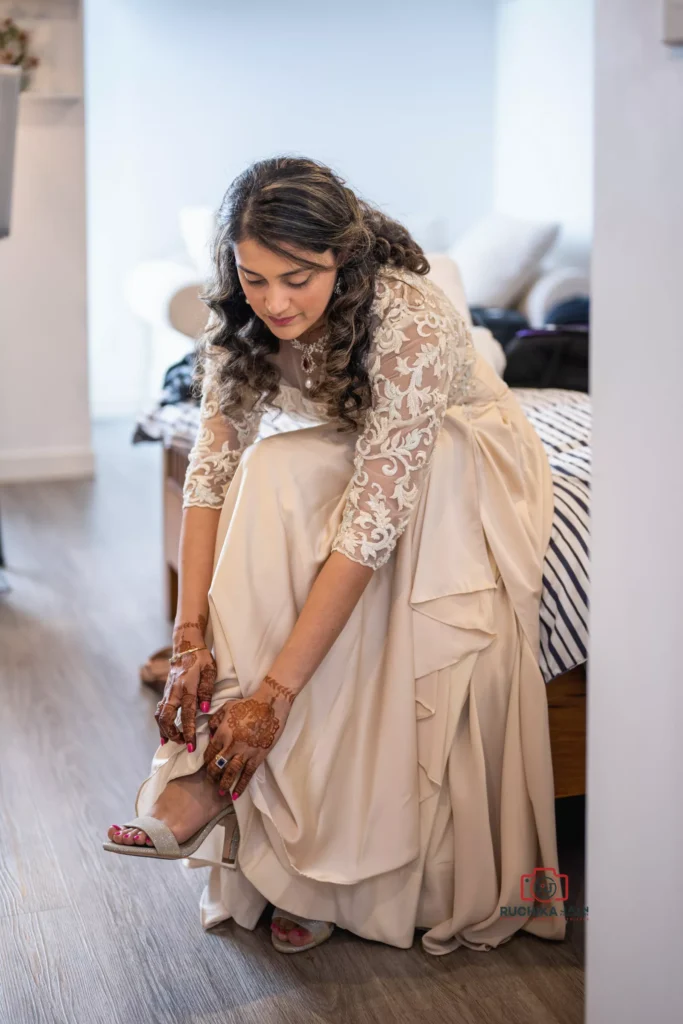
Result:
288,273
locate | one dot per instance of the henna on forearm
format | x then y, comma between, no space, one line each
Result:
200,624
282,691
181,641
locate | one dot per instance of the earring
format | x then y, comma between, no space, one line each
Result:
247,301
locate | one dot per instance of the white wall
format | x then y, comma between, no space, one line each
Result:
44,417
635,694
181,97
544,118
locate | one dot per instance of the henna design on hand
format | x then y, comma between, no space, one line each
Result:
207,681
281,690
165,717
180,694
186,660
253,723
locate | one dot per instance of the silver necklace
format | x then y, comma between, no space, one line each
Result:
309,363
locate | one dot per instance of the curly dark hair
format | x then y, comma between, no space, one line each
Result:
300,203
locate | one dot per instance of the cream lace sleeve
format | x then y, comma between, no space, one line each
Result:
217,449
421,356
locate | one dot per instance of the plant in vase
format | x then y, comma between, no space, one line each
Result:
14,50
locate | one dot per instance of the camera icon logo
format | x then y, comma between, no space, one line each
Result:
544,885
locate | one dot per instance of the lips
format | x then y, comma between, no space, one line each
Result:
283,322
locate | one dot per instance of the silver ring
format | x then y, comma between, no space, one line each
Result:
220,761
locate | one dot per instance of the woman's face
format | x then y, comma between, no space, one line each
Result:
289,298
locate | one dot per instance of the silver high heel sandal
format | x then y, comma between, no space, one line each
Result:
166,846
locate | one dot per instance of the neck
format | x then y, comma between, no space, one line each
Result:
313,333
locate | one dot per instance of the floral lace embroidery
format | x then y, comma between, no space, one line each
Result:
217,451
420,364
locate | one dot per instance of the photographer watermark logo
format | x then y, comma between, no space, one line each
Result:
542,886
545,893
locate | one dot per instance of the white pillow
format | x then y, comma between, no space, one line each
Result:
498,257
490,348
445,273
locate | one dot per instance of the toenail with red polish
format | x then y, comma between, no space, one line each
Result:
190,748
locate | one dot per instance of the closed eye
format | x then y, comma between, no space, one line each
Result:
292,284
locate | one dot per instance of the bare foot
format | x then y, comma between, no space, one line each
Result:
184,805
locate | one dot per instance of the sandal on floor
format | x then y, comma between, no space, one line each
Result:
155,670
166,846
320,930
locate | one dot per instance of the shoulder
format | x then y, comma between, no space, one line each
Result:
411,311
402,294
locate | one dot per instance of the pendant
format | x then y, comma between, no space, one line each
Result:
306,363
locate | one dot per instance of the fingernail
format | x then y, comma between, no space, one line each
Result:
221,792
190,748
163,740
205,706
235,795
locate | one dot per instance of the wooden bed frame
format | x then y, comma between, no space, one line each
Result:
566,694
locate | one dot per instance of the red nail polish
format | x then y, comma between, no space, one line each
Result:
190,748
205,706
221,792
235,795
163,740
117,828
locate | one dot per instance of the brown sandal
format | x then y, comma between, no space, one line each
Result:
155,671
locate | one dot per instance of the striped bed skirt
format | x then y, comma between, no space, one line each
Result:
563,422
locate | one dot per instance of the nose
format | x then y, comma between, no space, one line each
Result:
277,302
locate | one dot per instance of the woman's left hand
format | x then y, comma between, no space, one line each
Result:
244,733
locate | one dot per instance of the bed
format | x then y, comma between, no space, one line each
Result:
563,421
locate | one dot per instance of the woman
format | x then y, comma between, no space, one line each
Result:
367,579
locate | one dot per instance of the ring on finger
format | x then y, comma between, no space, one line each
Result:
232,773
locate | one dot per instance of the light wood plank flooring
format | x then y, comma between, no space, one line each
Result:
86,937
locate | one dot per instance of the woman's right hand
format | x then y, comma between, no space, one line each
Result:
190,684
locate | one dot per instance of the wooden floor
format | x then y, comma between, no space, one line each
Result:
87,937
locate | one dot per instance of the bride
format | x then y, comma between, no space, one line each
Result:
354,728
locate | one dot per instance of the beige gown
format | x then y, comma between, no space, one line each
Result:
412,786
